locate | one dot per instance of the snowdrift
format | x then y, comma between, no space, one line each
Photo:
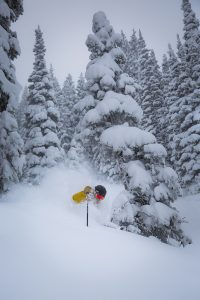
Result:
47,252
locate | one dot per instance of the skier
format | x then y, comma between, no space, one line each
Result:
96,195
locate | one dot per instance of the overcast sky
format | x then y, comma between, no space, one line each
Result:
66,24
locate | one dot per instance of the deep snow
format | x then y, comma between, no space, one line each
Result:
47,252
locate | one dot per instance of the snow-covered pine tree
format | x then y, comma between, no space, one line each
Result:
21,112
165,74
180,50
188,140
132,60
58,98
69,92
143,55
11,144
125,46
151,96
165,88
80,94
42,146
177,85
56,86
134,55
81,87
67,116
130,49
192,40
116,145
171,98
76,154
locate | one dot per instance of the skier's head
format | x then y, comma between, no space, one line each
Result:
100,192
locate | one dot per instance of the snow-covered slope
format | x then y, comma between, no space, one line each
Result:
48,253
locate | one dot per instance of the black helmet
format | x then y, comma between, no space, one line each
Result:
100,189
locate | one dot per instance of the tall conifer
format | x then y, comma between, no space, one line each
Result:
111,138
11,144
42,145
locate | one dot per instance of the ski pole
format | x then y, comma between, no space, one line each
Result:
87,212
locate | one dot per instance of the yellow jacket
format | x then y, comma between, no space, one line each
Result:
82,195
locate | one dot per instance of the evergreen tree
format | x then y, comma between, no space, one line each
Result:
69,92
80,95
56,87
172,97
130,49
192,40
11,144
151,96
58,98
177,87
125,46
165,87
42,145
180,50
185,85
111,139
67,116
143,56
21,112
188,140
65,131
132,60
81,87
165,69
76,153
165,75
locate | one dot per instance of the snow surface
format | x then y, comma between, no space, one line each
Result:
47,252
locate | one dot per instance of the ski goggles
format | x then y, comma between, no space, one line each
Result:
99,197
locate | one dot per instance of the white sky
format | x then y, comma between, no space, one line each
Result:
66,24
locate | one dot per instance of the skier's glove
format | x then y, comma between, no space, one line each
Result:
87,190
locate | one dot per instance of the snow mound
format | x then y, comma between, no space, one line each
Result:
47,252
